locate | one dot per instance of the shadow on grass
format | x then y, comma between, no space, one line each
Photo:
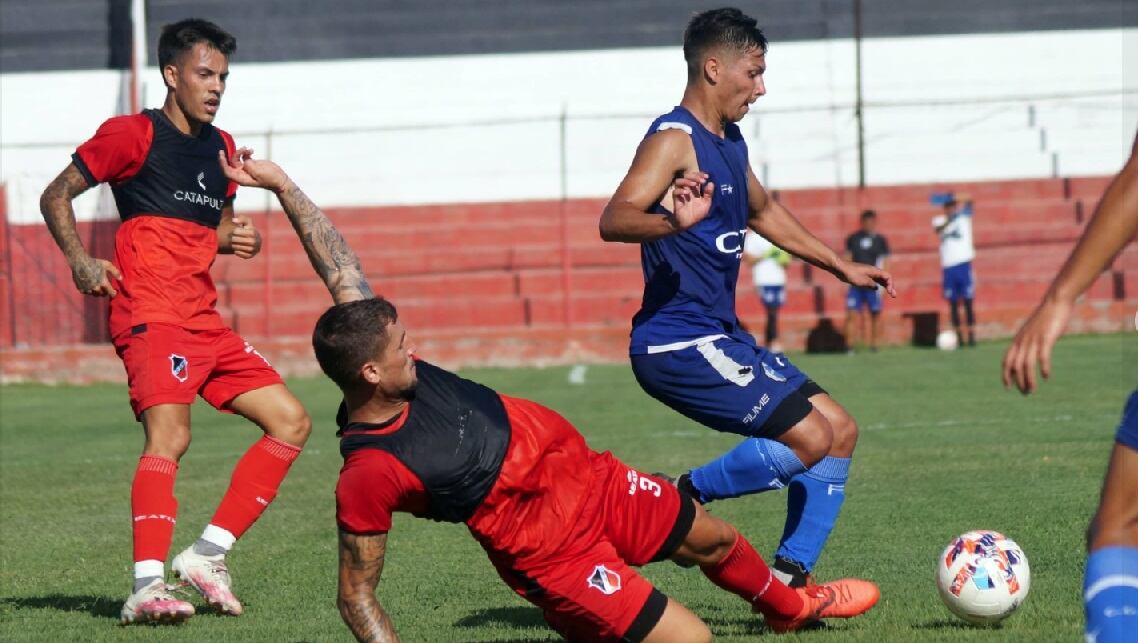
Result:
513,616
954,624
98,606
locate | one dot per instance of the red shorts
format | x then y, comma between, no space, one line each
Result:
589,591
168,364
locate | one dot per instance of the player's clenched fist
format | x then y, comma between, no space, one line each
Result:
244,239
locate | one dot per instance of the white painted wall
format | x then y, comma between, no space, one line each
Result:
486,128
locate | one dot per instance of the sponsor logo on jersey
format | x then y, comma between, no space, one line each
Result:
604,580
179,367
198,199
201,179
731,242
726,188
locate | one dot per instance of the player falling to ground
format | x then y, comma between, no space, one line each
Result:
688,349
868,247
1111,583
562,524
768,275
177,211
954,228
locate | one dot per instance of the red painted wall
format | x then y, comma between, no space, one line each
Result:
496,267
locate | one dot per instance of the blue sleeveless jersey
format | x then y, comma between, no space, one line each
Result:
690,277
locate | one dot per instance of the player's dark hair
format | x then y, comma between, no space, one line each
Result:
727,27
349,335
868,214
181,36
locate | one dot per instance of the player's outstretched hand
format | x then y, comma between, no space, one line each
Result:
1033,344
90,276
245,240
691,199
243,169
866,276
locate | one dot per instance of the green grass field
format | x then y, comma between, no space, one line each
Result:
943,449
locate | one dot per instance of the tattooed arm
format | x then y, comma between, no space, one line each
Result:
88,273
330,255
361,563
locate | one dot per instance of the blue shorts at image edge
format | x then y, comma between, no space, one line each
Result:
858,298
727,384
958,282
1128,428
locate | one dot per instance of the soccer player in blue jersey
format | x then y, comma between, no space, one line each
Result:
1111,583
688,199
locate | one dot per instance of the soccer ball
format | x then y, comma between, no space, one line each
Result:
946,340
983,576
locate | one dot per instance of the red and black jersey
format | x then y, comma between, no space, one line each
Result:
170,193
515,472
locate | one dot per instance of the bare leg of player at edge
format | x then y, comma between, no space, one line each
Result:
1110,589
812,458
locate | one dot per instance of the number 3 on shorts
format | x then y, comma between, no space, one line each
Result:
645,483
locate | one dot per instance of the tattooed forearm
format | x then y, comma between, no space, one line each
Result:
329,254
361,563
55,205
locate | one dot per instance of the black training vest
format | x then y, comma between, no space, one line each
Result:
454,438
181,177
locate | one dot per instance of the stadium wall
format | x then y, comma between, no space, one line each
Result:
507,144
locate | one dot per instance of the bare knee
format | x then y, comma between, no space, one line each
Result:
811,439
166,436
845,435
1118,529
292,426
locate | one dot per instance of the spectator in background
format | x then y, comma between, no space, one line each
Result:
954,228
768,273
868,247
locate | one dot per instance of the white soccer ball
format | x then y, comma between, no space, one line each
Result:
946,340
983,576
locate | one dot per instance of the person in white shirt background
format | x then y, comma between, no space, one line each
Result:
768,273
954,228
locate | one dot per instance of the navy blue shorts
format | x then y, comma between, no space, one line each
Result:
858,298
1128,428
958,282
729,385
772,296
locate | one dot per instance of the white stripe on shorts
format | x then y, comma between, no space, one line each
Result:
731,370
675,346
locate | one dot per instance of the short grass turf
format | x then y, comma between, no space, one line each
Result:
943,449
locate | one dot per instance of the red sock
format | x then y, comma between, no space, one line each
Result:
153,507
744,573
255,481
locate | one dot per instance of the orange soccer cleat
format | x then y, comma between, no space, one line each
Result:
843,598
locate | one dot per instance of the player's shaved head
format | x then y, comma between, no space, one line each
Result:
181,36
347,336
726,29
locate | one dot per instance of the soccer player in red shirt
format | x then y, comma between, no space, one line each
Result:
177,210
563,525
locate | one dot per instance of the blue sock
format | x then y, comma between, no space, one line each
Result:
812,508
757,464
1110,590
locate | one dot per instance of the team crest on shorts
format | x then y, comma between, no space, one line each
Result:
770,372
604,580
179,367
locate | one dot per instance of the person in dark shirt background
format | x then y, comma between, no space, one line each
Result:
869,247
